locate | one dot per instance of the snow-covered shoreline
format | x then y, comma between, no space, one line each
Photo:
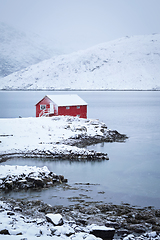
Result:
56,137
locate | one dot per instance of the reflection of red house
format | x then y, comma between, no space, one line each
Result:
53,105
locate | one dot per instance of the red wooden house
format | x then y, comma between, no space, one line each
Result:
54,105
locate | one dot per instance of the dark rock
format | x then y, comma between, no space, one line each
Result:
112,224
122,232
17,209
39,182
143,215
30,179
20,233
9,185
103,232
138,228
61,178
156,228
81,221
102,130
151,220
157,213
132,220
10,213
65,180
4,232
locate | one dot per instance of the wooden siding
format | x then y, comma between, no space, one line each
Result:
81,111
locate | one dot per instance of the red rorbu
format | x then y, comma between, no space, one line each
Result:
54,105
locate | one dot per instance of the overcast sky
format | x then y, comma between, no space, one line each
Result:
83,23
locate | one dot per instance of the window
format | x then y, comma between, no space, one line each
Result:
78,115
42,107
78,107
67,107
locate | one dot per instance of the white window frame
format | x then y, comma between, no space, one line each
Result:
67,107
78,107
43,107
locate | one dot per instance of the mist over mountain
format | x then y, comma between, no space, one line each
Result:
129,63
19,50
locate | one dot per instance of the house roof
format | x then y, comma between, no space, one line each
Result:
67,100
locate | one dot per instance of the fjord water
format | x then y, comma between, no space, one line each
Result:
131,175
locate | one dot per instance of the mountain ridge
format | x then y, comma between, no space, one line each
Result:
19,50
129,63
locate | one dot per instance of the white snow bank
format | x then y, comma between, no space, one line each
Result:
95,227
8,170
25,177
65,229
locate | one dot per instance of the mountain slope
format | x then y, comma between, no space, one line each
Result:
127,63
19,50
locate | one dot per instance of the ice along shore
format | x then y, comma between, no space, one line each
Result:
62,137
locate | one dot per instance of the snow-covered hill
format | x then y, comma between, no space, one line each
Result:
130,63
19,50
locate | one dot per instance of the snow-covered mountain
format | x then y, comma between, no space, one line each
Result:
130,63
19,50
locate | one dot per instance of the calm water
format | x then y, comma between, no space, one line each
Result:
131,175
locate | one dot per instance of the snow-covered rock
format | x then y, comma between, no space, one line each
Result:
65,229
55,219
103,232
25,177
130,63
33,171
53,137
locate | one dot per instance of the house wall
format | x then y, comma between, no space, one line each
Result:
81,111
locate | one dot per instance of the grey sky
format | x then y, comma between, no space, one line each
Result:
83,23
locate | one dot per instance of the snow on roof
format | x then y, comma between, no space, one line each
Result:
67,100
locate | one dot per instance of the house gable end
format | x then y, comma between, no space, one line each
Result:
45,97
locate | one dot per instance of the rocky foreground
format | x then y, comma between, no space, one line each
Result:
88,220
81,221
60,137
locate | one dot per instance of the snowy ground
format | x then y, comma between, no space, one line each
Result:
18,170
49,136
